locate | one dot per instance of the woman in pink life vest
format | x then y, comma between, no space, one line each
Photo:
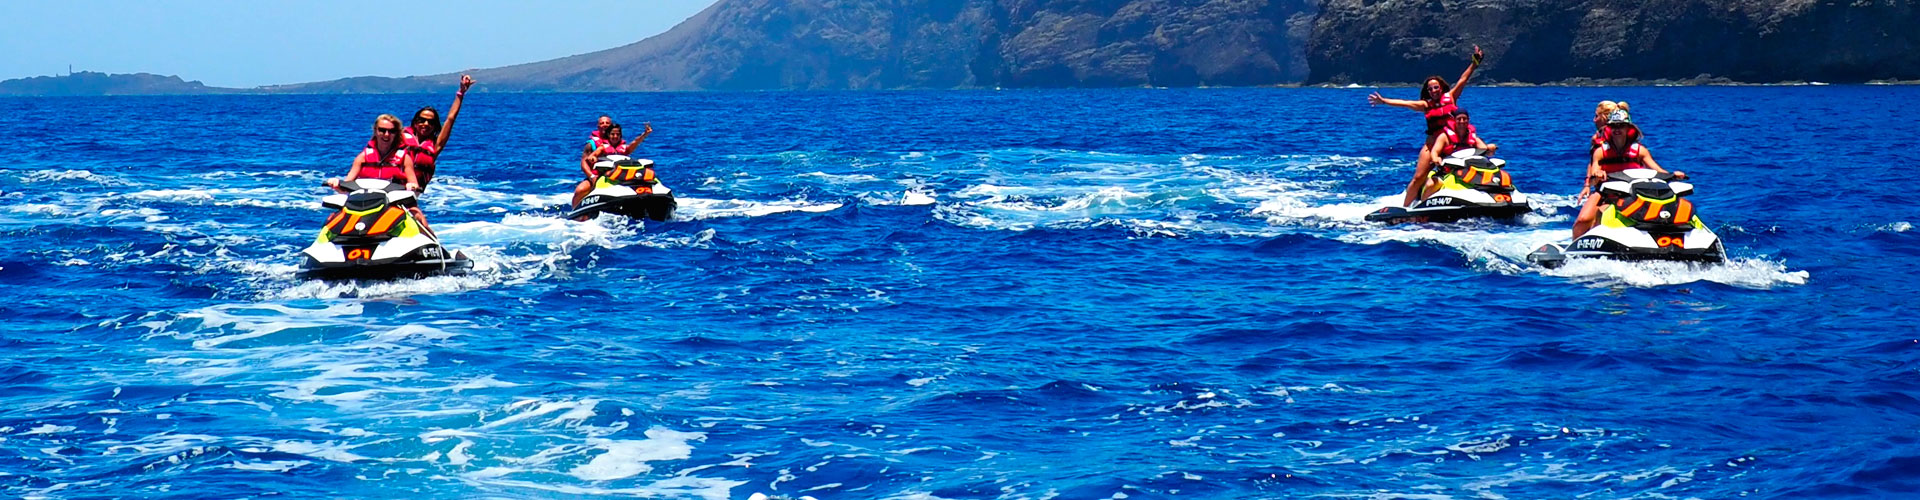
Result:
1621,151
1437,102
608,144
428,136
385,158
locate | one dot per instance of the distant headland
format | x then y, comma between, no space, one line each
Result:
870,44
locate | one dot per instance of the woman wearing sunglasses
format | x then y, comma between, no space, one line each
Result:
1437,102
385,158
427,137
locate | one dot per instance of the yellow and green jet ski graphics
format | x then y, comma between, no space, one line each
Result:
1641,209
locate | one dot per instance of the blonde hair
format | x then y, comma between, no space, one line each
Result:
396,126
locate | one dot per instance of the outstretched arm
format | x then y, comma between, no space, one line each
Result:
1415,105
1440,143
446,130
1468,74
353,172
1647,154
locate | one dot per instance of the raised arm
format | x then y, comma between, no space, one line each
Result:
1415,105
1468,74
446,130
642,138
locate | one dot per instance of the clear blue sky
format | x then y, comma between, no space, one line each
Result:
232,43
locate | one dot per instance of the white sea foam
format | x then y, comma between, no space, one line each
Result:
692,209
622,459
1741,272
273,466
71,176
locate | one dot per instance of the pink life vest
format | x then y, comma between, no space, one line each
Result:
392,168
1439,115
1614,161
424,152
1456,143
594,141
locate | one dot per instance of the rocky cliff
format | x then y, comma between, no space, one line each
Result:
1546,41
890,44
885,44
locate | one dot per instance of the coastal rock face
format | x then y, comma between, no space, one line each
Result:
895,44
886,44
1546,41
1177,43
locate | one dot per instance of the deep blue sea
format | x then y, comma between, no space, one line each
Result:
958,295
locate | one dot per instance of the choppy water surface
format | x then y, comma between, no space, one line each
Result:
1099,294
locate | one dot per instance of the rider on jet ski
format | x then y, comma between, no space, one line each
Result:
608,143
1437,102
428,135
1620,151
1459,134
386,158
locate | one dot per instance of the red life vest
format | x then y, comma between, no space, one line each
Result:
1605,133
1612,160
1456,143
594,141
392,168
604,147
1438,115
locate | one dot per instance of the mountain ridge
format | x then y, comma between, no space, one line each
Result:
922,44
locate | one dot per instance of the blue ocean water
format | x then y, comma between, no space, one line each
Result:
954,295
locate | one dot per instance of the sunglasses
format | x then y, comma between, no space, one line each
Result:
417,121
385,130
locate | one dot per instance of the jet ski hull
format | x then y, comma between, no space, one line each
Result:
458,265
373,236
1671,235
1553,255
1398,215
657,207
334,262
1468,186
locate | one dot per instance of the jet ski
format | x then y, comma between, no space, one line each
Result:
1471,186
371,235
626,186
1644,215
